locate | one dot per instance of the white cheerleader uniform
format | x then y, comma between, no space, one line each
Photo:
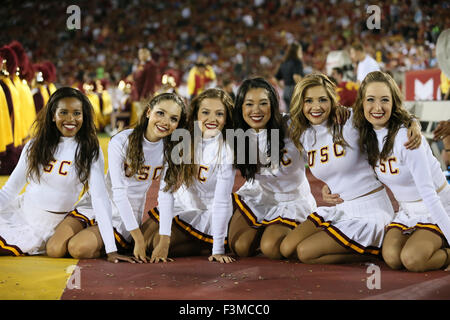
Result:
357,223
277,195
415,176
204,209
128,193
27,221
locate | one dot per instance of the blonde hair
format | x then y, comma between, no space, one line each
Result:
299,122
399,117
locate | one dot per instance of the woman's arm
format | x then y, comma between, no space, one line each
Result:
222,211
16,181
101,203
417,163
165,206
116,160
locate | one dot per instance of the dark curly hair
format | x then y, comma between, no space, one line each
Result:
46,137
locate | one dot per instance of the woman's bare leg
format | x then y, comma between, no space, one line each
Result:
321,248
393,244
87,244
289,244
271,240
422,252
243,239
56,246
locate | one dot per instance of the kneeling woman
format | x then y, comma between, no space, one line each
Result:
63,156
276,196
353,228
417,238
194,203
135,158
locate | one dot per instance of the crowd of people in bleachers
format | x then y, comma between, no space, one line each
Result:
126,51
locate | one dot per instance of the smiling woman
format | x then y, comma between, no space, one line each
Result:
136,158
199,203
69,116
418,236
62,157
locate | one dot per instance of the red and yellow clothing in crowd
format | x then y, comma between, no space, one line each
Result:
198,79
347,91
101,103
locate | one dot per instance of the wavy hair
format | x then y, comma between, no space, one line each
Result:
276,122
399,117
46,137
135,154
299,122
188,171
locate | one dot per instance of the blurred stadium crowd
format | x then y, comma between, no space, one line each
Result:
231,39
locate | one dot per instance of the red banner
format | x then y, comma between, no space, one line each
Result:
422,85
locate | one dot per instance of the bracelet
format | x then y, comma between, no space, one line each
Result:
447,150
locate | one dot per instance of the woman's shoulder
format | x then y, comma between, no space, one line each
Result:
121,136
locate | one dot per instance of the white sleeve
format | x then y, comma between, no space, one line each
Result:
165,207
16,181
101,203
417,162
116,159
222,206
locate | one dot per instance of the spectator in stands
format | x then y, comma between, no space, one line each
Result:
442,132
445,87
346,90
366,63
200,76
290,71
145,80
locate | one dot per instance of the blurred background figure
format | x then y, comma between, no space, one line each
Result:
201,76
290,71
14,113
346,90
365,63
445,87
145,81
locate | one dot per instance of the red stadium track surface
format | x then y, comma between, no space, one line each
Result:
256,278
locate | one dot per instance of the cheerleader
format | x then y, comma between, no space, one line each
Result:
194,212
135,158
418,236
276,196
61,159
354,227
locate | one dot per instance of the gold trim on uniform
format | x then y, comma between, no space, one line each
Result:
251,217
340,237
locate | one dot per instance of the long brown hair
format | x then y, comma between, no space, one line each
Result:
187,172
135,154
399,117
276,122
46,137
300,123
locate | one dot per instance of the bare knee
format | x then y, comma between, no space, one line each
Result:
55,248
288,248
241,247
392,258
306,254
412,261
82,249
270,248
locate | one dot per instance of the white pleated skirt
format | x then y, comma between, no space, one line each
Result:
415,215
262,207
25,229
357,224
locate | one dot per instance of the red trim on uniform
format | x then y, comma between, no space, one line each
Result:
185,227
340,237
81,217
7,249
